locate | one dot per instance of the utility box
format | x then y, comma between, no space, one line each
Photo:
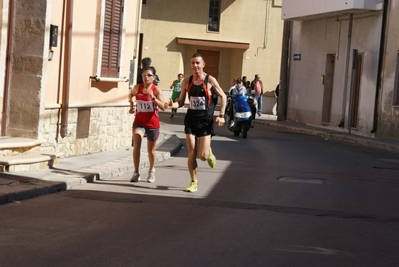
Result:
53,35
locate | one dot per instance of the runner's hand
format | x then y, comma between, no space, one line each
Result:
220,121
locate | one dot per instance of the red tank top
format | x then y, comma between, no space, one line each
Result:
146,110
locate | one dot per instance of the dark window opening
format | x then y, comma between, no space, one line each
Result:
395,99
214,16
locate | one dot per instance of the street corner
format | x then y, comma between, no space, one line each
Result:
170,143
16,187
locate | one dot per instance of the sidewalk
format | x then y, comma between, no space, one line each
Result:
329,133
77,170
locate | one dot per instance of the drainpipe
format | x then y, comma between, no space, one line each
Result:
135,60
348,51
265,34
139,8
66,68
284,72
380,65
8,65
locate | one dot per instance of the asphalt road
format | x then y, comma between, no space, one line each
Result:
274,199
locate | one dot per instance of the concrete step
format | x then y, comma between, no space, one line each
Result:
29,162
7,142
24,154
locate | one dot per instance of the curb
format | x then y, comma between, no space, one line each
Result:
21,188
167,147
334,135
18,187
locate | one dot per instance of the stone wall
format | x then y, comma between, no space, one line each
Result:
27,68
109,128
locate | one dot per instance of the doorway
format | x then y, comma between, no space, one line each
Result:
328,88
212,61
356,91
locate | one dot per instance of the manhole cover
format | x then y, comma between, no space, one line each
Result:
301,180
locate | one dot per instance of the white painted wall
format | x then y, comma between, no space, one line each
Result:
314,40
294,9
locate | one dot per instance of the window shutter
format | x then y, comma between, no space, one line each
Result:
112,38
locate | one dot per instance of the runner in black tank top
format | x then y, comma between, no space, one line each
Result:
198,122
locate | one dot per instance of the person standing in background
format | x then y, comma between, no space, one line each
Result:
276,92
176,87
244,80
145,62
257,87
246,83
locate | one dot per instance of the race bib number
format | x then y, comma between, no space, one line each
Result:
197,102
177,89
144,106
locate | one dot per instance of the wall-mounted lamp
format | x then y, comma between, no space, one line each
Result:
53,40
50,55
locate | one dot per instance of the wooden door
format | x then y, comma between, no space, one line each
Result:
356,92
212,61
328,87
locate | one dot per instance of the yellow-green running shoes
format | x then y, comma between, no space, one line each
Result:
212,159
193,187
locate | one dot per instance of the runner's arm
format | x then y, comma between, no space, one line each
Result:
219,91
132,98
159,98
183,92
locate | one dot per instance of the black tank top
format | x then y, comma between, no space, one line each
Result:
199,97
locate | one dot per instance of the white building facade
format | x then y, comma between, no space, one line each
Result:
343,61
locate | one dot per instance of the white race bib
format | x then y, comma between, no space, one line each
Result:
198,102
144,106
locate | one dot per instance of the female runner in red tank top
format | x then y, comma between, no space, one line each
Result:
148,99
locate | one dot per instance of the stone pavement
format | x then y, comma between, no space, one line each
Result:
77,170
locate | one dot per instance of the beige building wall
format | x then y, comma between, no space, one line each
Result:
97,111
256,22
3,47
388,123
86,55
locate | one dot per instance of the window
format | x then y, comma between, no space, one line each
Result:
395,98
214,15
112,38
